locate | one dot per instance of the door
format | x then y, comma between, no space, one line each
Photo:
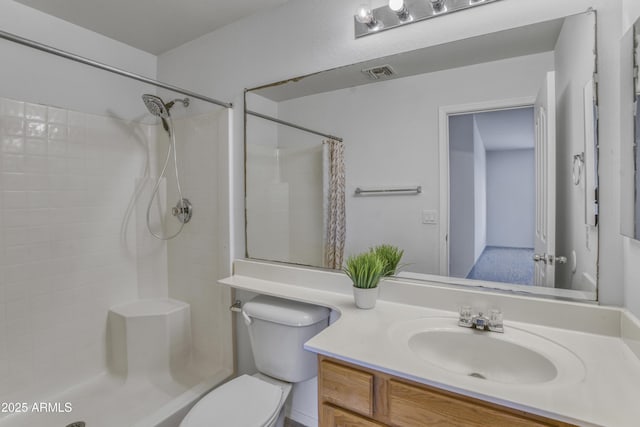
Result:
545,170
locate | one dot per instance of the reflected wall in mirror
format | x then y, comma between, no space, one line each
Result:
636,62
475,157
630,159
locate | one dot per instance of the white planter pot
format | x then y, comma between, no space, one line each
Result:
365,298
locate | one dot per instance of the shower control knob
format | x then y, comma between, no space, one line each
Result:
183,210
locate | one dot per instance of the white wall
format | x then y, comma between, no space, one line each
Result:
510,198
480,191
462,201
636,179
628,202
39,77
631,12
574,65
234,58
610,276
404,151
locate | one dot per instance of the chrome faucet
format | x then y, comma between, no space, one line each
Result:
479,321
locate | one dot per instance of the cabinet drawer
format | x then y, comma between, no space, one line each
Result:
414,406
336,417
347,387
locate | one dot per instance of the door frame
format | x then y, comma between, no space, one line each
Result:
443,148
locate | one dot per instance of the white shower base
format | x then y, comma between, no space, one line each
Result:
158,392
107,401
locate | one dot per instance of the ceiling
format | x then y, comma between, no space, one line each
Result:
527,40
507,129
155,26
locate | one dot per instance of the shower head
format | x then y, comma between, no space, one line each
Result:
156,106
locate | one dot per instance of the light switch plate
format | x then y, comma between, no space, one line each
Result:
429,217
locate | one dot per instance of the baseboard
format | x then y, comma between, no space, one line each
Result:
301,418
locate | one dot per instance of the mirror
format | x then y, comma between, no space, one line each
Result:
474,157
630,174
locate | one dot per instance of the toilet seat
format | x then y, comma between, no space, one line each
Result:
243,402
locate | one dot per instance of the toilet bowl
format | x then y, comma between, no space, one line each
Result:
247,401
278,330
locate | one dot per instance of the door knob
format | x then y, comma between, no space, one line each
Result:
538,258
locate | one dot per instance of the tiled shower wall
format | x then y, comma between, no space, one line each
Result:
195,257
67,246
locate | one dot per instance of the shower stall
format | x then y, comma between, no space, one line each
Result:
113,233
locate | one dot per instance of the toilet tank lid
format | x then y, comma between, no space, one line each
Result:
284,311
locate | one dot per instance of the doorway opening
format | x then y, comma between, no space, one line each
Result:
492,195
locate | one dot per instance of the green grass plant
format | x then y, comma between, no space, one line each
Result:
390,256
365,270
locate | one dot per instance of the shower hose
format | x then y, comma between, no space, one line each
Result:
156,188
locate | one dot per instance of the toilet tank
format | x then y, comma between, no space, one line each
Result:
278,329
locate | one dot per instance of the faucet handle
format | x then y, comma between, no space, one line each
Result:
495,320
466,316
480,321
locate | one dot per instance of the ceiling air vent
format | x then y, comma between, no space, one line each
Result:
379,72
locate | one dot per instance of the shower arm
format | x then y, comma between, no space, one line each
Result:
185,102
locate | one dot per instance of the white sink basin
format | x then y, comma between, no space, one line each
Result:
515,357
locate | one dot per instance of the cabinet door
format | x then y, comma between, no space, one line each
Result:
347,387
411,406
336,417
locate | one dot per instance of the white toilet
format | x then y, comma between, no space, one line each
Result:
278,329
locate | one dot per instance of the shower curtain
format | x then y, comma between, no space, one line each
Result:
334,199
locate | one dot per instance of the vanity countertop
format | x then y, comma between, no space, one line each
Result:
607,395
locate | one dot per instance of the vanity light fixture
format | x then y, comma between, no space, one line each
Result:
401,12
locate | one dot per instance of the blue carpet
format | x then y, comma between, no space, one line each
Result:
506,265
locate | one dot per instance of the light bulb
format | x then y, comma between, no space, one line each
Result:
396,5
364,15
400,9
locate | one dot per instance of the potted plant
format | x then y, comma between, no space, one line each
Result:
390,255
365,271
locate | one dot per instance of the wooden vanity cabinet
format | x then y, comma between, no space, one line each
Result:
353,396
